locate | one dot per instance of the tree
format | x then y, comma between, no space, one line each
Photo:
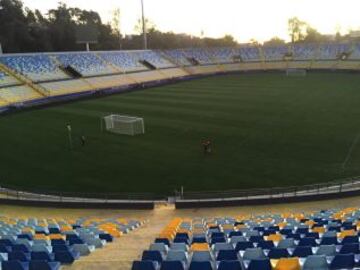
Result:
297,29
275,41
115,25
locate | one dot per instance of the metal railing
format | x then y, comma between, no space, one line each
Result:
338,186
334,187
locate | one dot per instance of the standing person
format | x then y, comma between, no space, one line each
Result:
206,146
83,140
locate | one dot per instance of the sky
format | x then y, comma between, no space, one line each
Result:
244,19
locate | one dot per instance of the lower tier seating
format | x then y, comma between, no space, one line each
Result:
14,94
322,240
49,243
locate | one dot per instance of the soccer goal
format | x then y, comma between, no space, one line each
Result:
123,124
295,72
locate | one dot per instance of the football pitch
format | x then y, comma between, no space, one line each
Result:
267,130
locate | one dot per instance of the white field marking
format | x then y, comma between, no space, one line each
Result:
351,149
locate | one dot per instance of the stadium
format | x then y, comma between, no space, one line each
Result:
175,152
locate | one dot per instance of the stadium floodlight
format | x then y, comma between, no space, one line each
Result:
123,124
143,24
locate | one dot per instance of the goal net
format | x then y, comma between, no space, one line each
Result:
122,124
295,72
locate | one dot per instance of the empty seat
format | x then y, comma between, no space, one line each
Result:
222,246
302,251
14,265
179,246
43,265
327,250
329,241
19,256
227,255
265,244
152,255
315,262
308,241
172,265
160,247
343,261
177,255
286,243
144,265
350,248
66,257
277,253
230,265
243,245
259,264
42,255
288,264
83,249
201,256
200,265
253,254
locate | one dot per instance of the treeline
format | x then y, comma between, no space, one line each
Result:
25,30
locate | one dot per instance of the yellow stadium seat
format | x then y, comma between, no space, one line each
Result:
288,264
319,230
274,237
200,247
345,233
56,236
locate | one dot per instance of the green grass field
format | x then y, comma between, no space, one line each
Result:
268,130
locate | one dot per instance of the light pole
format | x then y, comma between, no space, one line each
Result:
1,51
143,24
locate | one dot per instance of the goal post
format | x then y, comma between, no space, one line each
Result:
296,72
123,124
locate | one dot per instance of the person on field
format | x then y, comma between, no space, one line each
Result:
206,146
83,140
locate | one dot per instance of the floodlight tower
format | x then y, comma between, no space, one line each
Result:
143,24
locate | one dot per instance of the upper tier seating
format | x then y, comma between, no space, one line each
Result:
178,56
46,243
125,61
37,67
250,53
6,80
304,51
88,64
264,242
275,53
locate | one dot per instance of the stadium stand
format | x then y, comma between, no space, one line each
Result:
37,67
125,61
87,64
332,51
304,51
275,53
223,55
6,80
326,239
18,94
25,78
250,53
200,55
178,56
32,243
153,58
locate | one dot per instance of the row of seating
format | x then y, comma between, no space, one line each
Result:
318,240
48,243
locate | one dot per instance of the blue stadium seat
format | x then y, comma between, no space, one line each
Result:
277,253
43,265
200,266
302,251
42,256
14,265
19,256
152,255
66,257
172,265
144,265
260,264
230,265
343,261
